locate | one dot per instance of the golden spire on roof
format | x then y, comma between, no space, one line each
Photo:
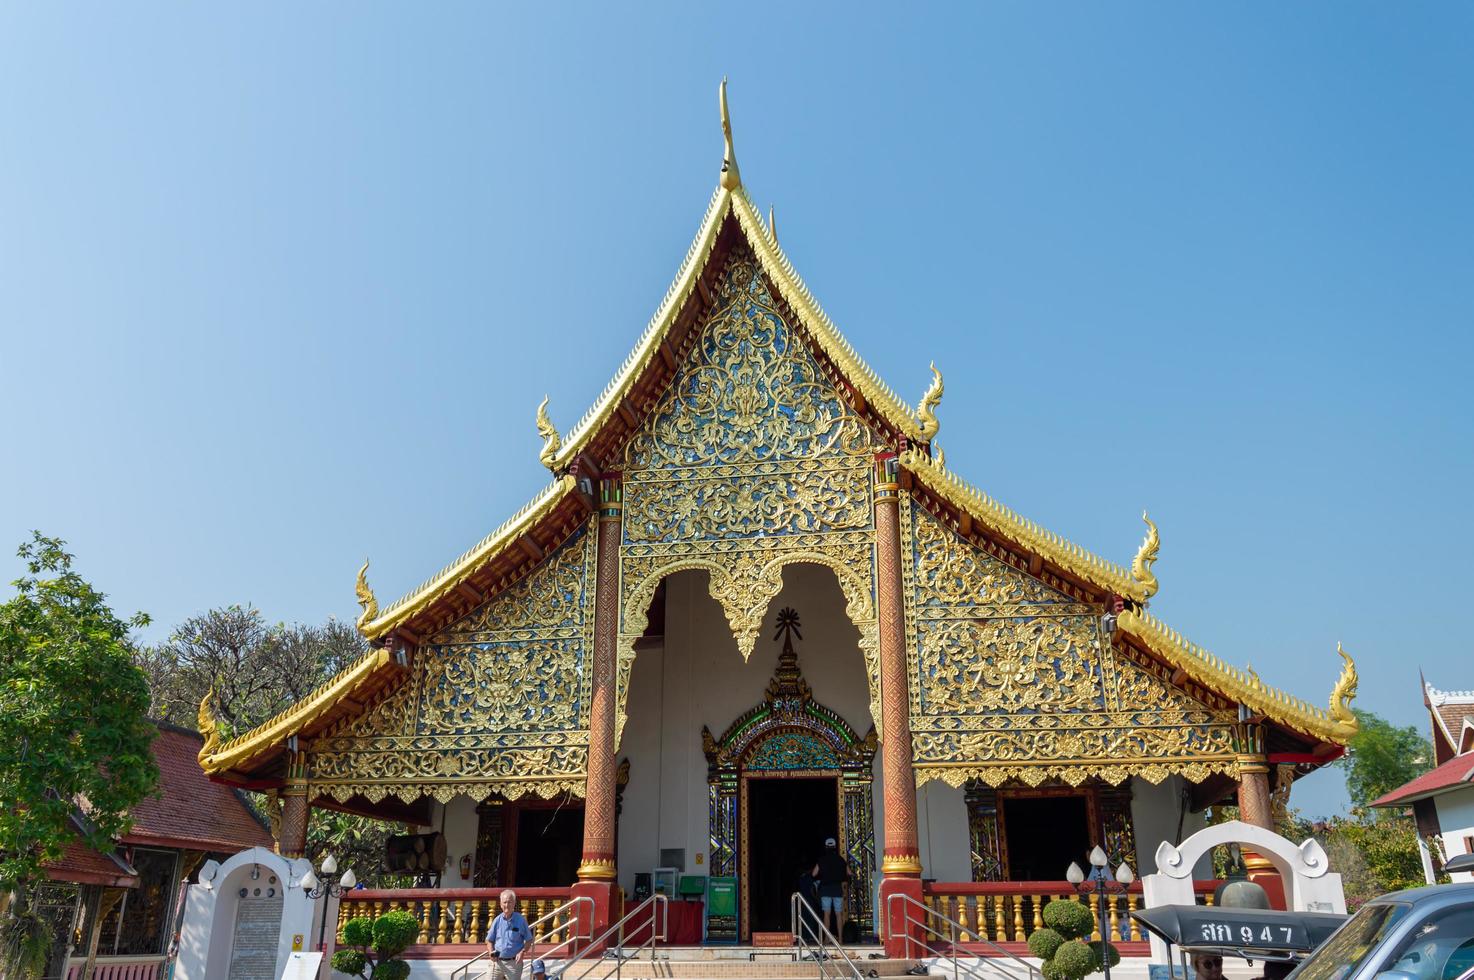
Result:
1141,565
549,432
926,412
731,179
772,224
365,598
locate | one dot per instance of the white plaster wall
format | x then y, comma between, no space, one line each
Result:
1155,811
460,825
941,830
698,678
1456,821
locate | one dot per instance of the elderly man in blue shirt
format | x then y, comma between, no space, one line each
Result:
507,940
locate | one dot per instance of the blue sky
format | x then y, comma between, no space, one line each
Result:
282,287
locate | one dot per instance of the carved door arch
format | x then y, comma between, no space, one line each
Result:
788,733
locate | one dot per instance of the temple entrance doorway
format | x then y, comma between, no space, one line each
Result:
1045,833
549,844
788,819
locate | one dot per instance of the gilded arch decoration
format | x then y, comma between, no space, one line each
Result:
750,461
789,733
1012,680
496,704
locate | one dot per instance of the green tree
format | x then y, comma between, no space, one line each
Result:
1064,943
1374,857
1381,757
74,723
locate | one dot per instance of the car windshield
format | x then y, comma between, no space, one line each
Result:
1344,952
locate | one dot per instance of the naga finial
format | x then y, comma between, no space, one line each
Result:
772,224
208,726
1141,565
731,179
940,458
1342,695
545,428
365,598
926,412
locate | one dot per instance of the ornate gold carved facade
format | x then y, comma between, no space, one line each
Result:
1014,680
496,704
750,461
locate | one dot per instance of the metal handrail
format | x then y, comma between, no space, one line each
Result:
623,954
823,939
572,923
951,951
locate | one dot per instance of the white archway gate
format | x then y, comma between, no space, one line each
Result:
1310,885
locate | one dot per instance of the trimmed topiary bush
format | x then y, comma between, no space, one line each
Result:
379,942
1068,918
1044,942
1064,944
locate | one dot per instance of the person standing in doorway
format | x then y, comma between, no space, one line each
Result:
507,940
833,873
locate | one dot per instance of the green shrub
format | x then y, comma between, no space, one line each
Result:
393,931
1051,971
350,961
358,932
1070,919
1044,942
1075,959
1103,949
392,970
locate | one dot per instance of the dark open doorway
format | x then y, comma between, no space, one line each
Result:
787,822
549,846
1044,834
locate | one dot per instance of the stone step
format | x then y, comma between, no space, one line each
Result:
769,964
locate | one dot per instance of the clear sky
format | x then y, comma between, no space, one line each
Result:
281,286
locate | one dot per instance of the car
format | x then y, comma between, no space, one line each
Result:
1419,934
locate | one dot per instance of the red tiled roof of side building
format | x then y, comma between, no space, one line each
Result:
1455,772
191,812
81,864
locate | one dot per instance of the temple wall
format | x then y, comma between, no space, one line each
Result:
1155,809
698,678
941,829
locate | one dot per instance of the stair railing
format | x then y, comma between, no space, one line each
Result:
550,925
813,939
946,948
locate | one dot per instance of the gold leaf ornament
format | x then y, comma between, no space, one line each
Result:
365,598
552,442
1146,555
1343,694
926,411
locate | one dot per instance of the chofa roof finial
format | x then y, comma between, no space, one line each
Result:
552,442
1141,565
365,598
926,412
731,179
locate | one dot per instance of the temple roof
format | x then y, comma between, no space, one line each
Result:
518,545
1452,715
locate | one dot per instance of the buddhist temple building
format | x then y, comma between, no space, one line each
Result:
755,608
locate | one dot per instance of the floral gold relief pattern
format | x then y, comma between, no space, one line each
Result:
750,461
1015,681
497,703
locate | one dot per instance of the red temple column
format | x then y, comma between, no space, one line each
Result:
596,873
294,808
1255,808
901,863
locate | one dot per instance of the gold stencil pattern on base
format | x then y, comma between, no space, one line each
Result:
1016,681
750,461
497,703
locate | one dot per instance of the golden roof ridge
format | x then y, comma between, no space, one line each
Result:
835,345
449,576
675,298
1050,546
292,719
1245,686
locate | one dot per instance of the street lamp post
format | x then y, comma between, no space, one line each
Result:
316,888
1102,884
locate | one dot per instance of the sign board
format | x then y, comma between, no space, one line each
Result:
302,966
1201,927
